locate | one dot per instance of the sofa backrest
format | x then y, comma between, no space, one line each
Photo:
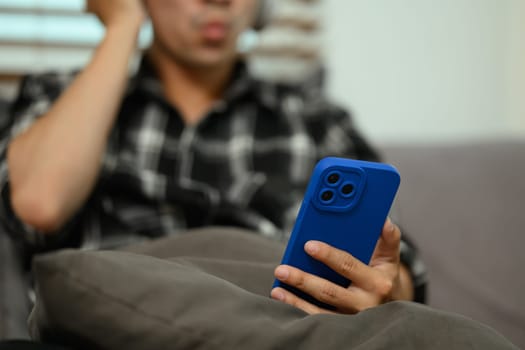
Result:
464,205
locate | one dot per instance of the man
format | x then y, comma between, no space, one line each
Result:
97,161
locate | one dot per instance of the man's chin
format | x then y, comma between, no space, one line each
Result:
211,59
202,57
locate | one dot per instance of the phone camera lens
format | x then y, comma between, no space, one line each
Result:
333,178
326,196
347,189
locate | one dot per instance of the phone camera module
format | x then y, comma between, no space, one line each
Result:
327,196
333,178
347,189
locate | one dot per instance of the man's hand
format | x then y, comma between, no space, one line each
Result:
111,12
381,281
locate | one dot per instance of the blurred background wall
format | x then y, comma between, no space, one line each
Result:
410,70
429,70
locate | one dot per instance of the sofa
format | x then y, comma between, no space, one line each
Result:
462,204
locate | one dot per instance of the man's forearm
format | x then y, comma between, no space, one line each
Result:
54,165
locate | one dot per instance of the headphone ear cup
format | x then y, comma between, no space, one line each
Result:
263,14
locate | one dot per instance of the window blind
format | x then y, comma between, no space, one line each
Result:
38,35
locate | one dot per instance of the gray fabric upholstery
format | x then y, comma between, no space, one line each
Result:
464,205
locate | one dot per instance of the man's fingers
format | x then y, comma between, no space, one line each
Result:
342,262
388,244
362,276
322,290
371,285
292,299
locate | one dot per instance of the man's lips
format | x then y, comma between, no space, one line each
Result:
215,31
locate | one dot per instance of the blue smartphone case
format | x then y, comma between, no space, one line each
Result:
345,205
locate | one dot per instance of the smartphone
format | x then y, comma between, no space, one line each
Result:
346,204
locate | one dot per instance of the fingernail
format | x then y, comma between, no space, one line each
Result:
281,273
277,294
311,247
389,225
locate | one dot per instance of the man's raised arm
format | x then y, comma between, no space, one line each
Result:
54,165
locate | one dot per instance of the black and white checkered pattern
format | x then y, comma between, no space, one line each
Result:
246,164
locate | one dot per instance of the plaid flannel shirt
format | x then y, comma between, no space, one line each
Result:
246,164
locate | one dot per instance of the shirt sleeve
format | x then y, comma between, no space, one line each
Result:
36,95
